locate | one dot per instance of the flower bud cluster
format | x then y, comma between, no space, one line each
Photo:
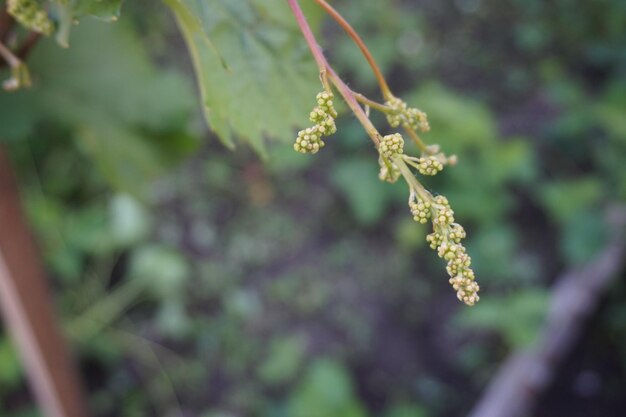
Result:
429,165
446,239
391,145
325,104
309,140
31,15
389,171
420,209
444,215
402,115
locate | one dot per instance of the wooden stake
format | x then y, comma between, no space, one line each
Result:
28,310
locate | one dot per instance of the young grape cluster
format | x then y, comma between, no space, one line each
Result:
402,115
391,145
31,15
446,240
323,116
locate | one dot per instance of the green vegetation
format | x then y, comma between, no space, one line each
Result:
193,279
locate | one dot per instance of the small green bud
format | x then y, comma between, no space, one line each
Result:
429,165
466,289
327,127
402,115
31,15
391,145
456,233
309,141
389,171
325,103
443,213
434,239
420,210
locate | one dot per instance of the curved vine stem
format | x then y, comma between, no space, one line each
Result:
384,87
327,71
370,103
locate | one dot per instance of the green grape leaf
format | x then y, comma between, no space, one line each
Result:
255,74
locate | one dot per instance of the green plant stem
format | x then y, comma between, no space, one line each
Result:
371,103
325,68
384,87
416,139
382,82
411,180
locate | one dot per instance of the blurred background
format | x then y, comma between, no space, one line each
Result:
196,281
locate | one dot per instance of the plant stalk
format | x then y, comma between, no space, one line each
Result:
384,87
325,68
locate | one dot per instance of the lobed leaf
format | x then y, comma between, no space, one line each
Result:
256,77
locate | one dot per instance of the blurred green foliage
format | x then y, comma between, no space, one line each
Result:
197,281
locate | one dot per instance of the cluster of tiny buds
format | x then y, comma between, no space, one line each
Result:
31,15
391,145
402,115
444,215
389,171
325,103
420,209
429,165
446,239
309,140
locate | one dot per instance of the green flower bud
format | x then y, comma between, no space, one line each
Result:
450,251
309,141
325,103
31,15
402,115
391,145
327,126
466,289
429,165
443,213
434,239
389,171
317,115
420,210
460,262
456,233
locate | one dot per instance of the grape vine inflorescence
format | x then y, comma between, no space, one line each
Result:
447,235
309,140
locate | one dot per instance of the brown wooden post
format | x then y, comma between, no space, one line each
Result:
28,309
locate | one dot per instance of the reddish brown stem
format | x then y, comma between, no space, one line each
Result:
325,68
384,87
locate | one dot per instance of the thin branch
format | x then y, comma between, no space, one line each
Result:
325,68
371,103
526,373
384,87
416,139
